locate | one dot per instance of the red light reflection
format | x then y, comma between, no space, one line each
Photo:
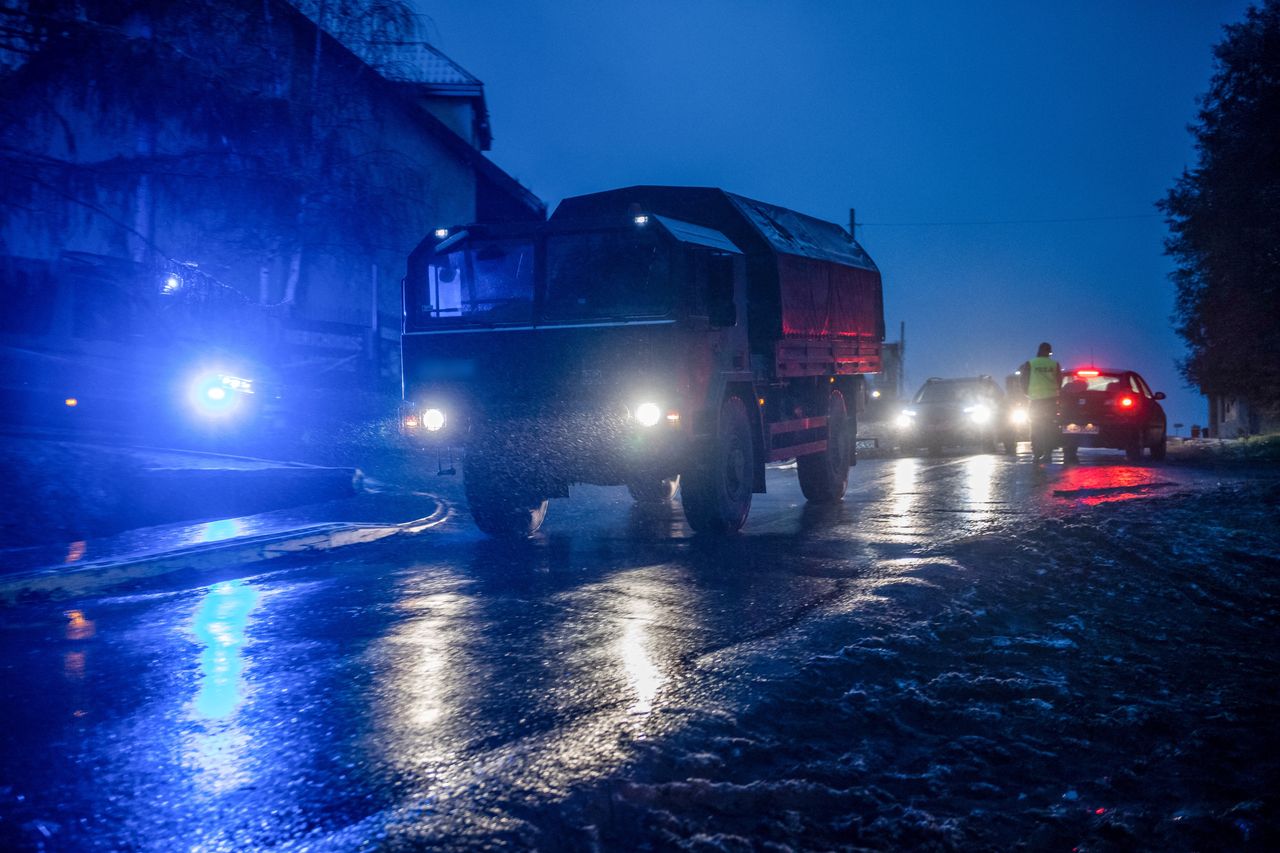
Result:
1093,485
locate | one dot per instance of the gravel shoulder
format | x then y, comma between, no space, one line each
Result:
1100,681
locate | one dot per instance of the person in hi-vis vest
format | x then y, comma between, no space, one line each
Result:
1041,379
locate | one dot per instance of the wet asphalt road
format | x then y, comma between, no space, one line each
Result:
450,690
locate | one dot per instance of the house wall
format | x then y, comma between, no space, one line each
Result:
1234,417
306,195
458,115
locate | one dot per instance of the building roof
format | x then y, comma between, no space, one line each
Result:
424,65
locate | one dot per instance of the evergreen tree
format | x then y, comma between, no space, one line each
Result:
1224,218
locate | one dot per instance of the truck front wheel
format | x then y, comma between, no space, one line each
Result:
825,476
498,506
716,490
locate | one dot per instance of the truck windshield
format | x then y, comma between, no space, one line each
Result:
483,281
606,275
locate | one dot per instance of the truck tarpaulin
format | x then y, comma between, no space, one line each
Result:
810,279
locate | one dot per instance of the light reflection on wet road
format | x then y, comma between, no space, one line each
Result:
441,690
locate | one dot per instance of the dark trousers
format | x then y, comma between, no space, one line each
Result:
1044,426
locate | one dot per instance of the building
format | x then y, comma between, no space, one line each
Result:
1235,417
232,146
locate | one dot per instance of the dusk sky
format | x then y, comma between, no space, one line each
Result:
955,129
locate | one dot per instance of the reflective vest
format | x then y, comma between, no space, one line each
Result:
1043,382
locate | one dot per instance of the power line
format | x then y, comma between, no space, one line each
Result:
1055,221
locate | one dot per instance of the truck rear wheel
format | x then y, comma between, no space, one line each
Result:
499,507
653,491
824,477
716,490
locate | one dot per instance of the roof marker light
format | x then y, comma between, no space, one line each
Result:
441,233
642,219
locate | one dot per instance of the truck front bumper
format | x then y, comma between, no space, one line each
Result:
599,445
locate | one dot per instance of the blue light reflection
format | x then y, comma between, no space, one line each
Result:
224,528
220,625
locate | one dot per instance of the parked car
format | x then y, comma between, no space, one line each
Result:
965,412
1106,407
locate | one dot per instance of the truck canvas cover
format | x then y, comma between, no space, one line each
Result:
809,279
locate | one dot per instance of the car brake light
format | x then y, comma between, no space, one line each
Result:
1126,402
1086,373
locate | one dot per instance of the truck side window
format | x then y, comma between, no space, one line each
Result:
444,286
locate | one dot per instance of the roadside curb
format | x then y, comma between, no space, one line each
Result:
64,582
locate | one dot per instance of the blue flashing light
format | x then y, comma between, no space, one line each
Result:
218,395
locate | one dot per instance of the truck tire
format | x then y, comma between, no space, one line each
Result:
499,507
824,477
653,491
716,489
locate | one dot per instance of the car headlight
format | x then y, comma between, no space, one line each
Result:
433,420
648,414
906,420
1018,416
979,414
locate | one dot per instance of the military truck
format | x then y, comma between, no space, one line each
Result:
654,337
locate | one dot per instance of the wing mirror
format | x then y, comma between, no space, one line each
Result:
1159,395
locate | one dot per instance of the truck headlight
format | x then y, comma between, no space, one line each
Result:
979,414
906,420
648,414
1018,416
433,420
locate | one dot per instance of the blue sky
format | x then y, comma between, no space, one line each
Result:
951,127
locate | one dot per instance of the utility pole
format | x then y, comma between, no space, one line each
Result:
853,223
